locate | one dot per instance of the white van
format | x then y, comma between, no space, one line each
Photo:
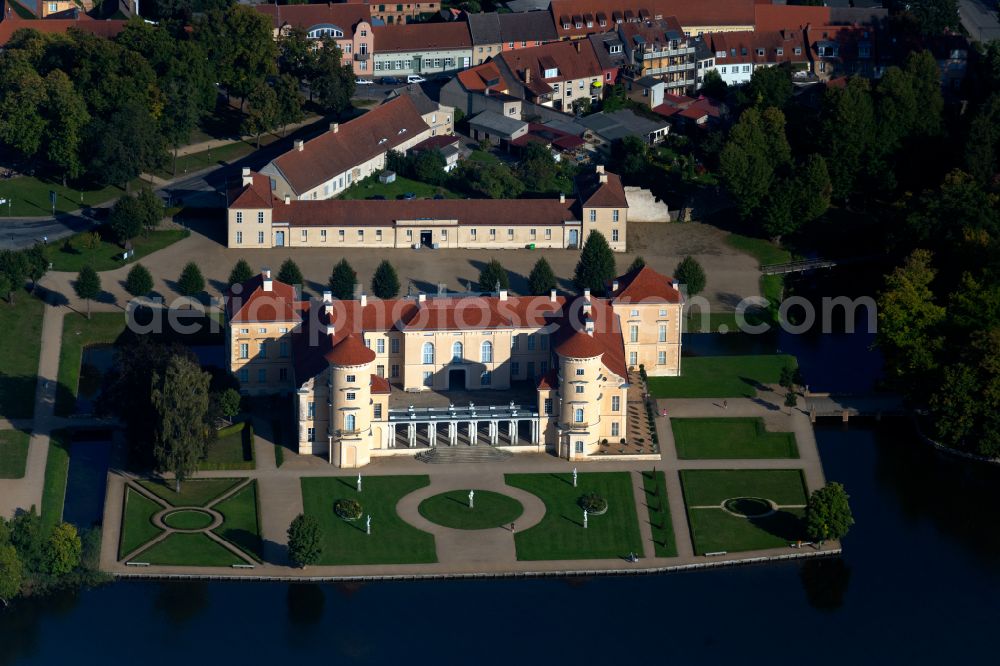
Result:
415,78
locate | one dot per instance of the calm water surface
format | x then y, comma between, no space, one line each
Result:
919,583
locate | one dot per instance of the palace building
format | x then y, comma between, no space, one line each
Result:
258,218
553,371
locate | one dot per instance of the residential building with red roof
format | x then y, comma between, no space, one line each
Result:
346,24
398,13
659,48
11,21
493,32
324,167
578,18
735,55
555,75
352,365
259,219
422,49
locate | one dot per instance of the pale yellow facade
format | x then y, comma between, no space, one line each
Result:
652,337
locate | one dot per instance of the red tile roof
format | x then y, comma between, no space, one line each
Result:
384,213
440,141
349,351
602,195
355,142
563,56
580,345
11,23
421,37
481,77
255,195
776,17
343,15
688,12
380,385
742,47
549,380
248,302
645,286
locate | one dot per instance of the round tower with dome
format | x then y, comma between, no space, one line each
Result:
579,393
350,402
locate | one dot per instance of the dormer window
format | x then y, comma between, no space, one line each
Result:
760,52
615,48
402,131
732,52
579,24
565,26
590,24
779,51
382,140
798,50
604,23
551,73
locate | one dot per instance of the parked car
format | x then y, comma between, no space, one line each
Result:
390,81
414,78
409,196
364,82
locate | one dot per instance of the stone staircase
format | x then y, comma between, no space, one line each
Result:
462,454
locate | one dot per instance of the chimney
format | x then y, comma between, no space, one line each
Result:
247,177
577,45
327,302
334,127
268,282
288,199
421,298
676,285
552,295
589,327
599,168
602,178
331,329
299,145
503,294
586,294
562,197
527,75
614,286
364,300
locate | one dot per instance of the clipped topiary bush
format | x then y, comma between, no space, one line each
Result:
594,504
348,509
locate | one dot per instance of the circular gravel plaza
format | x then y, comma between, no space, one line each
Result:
489,510
748,507
188,519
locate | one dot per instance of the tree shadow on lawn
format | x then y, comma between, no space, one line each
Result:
782,524
245,540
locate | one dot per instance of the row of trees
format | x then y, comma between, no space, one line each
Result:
19,266
35,557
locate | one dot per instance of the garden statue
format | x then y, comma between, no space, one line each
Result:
359,482
584,519
368,524
574,477
472,497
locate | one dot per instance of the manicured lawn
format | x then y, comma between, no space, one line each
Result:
189,550
392,540
106,255
21,324
232,450
13,453
218,156
704,487
241,526
483,156
730,438
489,509
370,187
137,522
654,486
56,470
187,519
194,492
29,196
715,530
80,332
721,322
721,376
561,536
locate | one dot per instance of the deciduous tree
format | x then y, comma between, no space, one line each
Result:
828,513
139,281
87,286
62,550
690,273
180,398
305,543
11,572
262,112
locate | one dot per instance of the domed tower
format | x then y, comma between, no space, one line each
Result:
579,393
350,402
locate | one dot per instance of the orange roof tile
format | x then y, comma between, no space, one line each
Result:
645,285
350,351
249,302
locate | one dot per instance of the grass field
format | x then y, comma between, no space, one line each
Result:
217,156
187,519
561,536
191,550
106,255
730,438
194,492
241,526
765,252
56,469
13,453
654,486
21,322
489,509
392,540
137,523
712,486
29,196
721,376
715,530
370,187
78,333
232,450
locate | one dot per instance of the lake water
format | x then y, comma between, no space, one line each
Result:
918,584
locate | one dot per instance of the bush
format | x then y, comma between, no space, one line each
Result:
305,543
593,503
348,509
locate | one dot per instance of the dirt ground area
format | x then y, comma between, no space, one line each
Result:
730,274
